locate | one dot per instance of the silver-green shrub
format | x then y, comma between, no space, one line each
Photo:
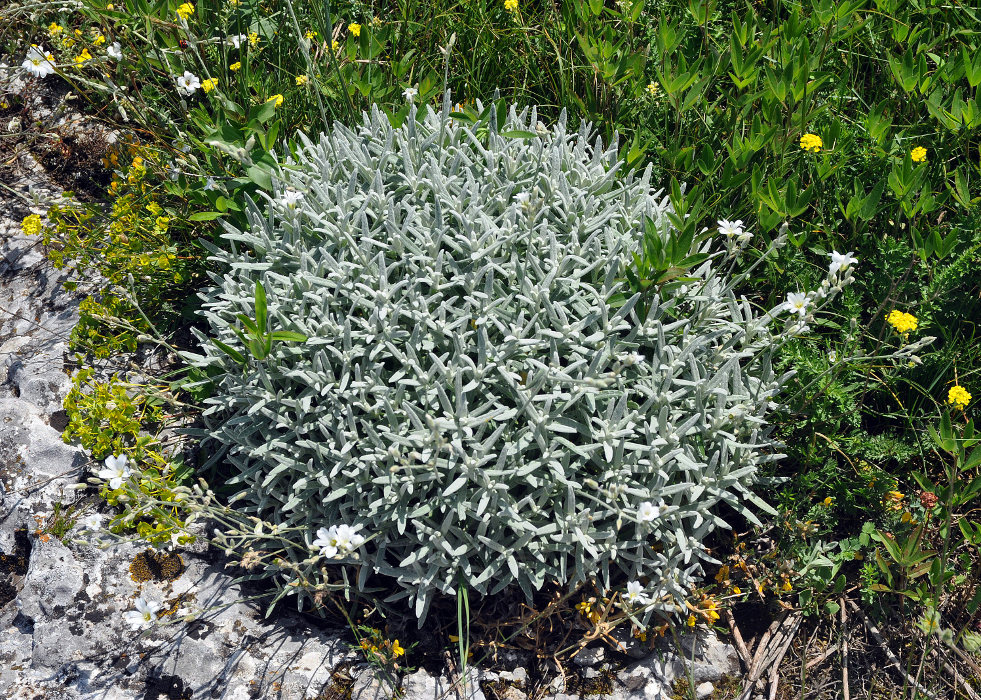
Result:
473,400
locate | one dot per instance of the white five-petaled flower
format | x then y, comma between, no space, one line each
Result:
840,261
410,94
635,593
144,615
115,51
797,302
92,521
117,470
337,540
730,229
237,40
210,184
188,83
832,356
523,198
289,198
39,62
647,511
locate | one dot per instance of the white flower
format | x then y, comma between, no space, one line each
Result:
289,198
840,262
797,302
237,40
115,51
337,540
832,356
143,616
210,184
188,83
117,470
647,511
541,129
38,62
635,593
731,229
410,94
522,198
92,521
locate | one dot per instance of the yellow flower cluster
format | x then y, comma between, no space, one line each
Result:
83,57
254,39
511,5
310,35
235,66
209,84
893,500
902,322
186,10
918,154
278,99
31,225
302,80
54,29
587,610
354,28
958,396
811,143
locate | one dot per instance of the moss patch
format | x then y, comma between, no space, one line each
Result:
149,565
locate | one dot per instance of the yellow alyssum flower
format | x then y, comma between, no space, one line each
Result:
253,39
958,396
302,80
902,322
54,29
209,84
83,57
511,5
31,225
99,40
811,143
918,154
278,99
652,88
186,10
310,35
235,66
354,28
110,7
335,45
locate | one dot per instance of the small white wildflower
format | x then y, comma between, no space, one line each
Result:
39,62
410,94
647,511
188,83
522,198
730,229
115,51
337,540
92,521
840,262
832,356
290,198
797,303
237,40
143,616
541,129
117,470
635,593
210,184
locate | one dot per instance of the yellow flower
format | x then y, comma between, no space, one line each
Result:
397,650
811,142
31,225
691,621
235,66
110,7
234,3
99,40
153,208
302,80
335,45
958,396
902,322
209,84
310,35
253,39
828,501
652,88
354,28
278,99
186,10
511,5
786,586
906,516
54,29
376,21
83,57
918,154
736,590
163,222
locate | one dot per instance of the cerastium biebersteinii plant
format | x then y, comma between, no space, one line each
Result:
479,400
